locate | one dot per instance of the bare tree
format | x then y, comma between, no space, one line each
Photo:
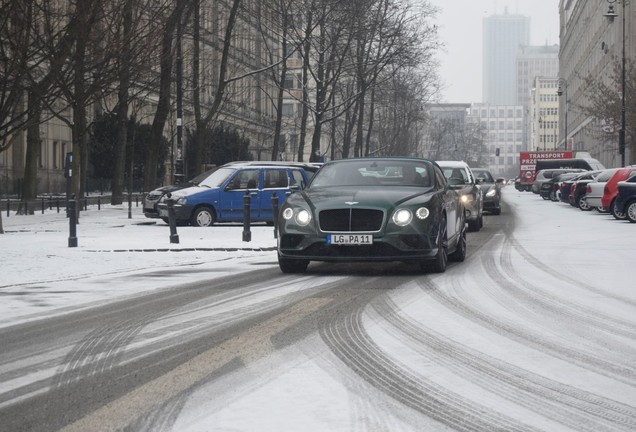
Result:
400,113
136,26
166,63
19,62
50,31
605,106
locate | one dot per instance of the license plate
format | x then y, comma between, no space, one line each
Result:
350,239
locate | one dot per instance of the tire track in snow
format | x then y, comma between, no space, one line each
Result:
349,341
625,373
567,405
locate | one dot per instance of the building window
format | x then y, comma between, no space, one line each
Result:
55,155
288,110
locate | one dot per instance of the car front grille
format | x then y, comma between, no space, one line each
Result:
351,220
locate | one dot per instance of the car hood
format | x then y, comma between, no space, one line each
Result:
188,191
486,187
170,188
338,197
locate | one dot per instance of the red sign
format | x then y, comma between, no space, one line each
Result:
528,162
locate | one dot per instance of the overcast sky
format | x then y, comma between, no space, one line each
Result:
460,28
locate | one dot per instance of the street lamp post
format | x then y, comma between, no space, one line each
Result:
563,90
611,14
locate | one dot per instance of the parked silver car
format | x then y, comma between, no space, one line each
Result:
461,178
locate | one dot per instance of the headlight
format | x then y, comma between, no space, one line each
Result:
181,200
466,198
402,217
302,216
422,213
491,193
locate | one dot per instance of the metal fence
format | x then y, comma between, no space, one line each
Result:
58,203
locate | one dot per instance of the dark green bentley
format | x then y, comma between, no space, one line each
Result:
373,209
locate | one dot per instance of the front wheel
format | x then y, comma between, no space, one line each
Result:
292,265
460,250
476,224
438,265
203,217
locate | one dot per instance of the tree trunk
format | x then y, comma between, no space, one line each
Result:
370,128
305,106
203,122
34,146
280,96
163,104
117,196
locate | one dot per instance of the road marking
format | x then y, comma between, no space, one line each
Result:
249,345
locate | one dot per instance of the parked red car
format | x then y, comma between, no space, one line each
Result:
611,190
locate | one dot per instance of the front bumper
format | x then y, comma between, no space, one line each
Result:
181,212
492,203
150,205
404,246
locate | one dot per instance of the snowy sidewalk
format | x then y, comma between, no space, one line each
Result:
39,271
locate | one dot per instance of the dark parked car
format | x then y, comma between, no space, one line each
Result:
220,196
555,187
490,188
373,209
461,178
546,174
152,198
578,190
626,198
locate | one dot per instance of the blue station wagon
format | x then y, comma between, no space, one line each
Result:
220,197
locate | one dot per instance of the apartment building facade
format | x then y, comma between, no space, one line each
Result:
591,43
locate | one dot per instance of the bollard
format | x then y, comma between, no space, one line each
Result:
247,216
8,207
72,213
85,204
99,203
42,205
275,214
174,237
58,204
50,203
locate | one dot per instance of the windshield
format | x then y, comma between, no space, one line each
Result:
483,175
457,174
375,172
217,178
198,179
